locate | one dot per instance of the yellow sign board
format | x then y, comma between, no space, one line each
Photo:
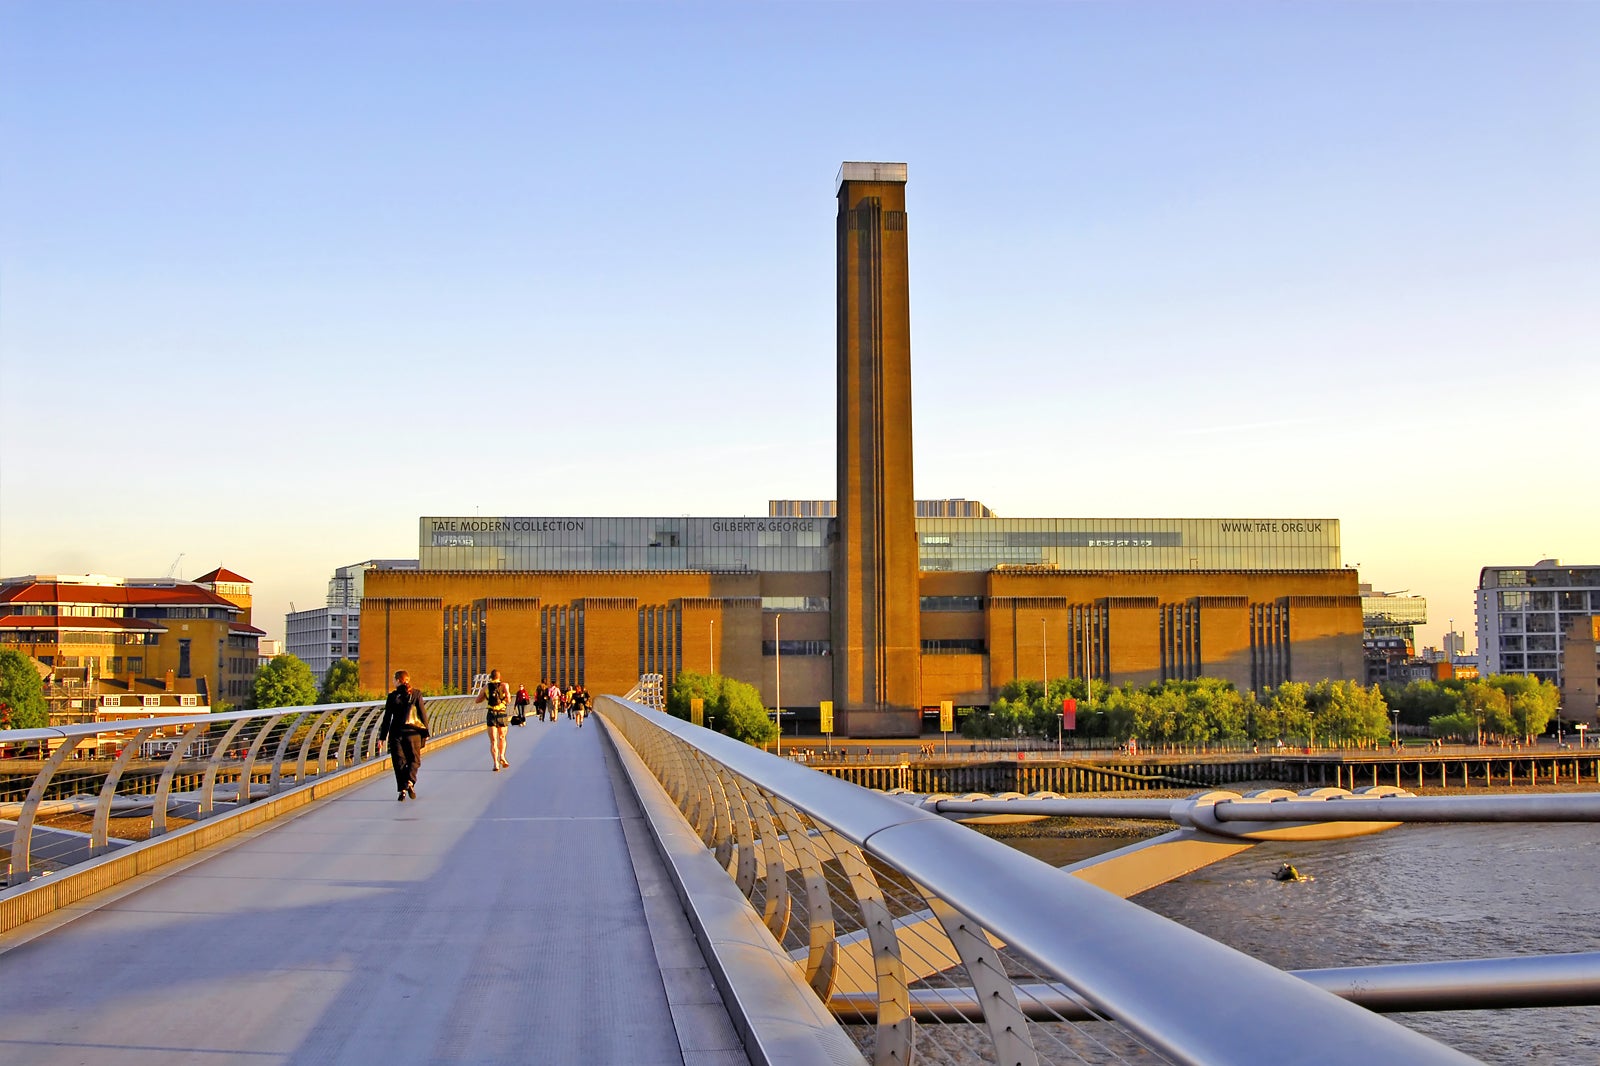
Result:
947,716
826,707
697,711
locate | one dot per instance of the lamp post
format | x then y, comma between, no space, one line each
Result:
711,644
777,664
1396,713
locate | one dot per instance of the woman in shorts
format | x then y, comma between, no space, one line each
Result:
497,696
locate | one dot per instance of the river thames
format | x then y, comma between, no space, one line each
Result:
1417,893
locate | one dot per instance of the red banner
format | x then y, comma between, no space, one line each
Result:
1069,713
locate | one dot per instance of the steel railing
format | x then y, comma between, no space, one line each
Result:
895,914
73,793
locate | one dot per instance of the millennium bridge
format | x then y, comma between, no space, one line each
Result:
245,888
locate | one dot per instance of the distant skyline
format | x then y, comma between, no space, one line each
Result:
278,279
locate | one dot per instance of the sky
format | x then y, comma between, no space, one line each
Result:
278,279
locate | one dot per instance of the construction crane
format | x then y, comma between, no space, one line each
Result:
172,571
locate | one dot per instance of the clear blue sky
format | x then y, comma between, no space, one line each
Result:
278,278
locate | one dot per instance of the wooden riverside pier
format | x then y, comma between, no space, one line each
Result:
1028,772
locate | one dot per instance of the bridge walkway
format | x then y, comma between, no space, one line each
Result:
518,916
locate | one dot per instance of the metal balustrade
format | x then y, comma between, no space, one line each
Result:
64,790
935,943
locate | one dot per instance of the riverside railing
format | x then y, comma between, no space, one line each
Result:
932,941
74,793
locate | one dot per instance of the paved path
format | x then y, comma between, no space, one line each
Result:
499,917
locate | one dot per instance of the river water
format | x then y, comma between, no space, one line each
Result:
1417,893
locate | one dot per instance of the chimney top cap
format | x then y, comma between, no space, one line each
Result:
869,172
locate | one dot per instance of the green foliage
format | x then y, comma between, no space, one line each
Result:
1531,702
1344,713
286,681
22,702
343,684
1208,711
731,706
1457,725
1501,705
1489,706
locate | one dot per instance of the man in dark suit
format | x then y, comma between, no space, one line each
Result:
405,726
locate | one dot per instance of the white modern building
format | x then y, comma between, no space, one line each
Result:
1523,613
322,636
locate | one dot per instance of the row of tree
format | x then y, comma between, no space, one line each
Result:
1212,711
1199,712
286,681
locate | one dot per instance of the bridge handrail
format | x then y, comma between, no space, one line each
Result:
1177,991
330,737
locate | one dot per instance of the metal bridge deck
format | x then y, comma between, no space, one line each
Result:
519,916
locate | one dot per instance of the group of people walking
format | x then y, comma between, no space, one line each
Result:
405,720
550,702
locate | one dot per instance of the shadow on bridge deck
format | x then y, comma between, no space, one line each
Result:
499,917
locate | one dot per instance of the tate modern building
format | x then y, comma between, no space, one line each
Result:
881,603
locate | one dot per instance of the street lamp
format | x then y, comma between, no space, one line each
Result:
777,665
1396,713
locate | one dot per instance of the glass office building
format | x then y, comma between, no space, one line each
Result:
713,545
969,544
794,545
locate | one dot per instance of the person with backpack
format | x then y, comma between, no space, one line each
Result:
521,717
405,727
496,694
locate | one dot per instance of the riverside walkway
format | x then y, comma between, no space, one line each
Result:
519,916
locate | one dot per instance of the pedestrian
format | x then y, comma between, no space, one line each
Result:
405,727
581,703
496,695
521,717
541,698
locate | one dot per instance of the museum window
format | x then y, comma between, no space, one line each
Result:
797,647
954,646
952,603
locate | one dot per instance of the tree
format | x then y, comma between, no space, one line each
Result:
1349,714
1288,709
1489,707
343,684
22,703
286,681
745,715
731,706
1532,702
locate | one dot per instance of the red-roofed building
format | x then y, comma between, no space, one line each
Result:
109,636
